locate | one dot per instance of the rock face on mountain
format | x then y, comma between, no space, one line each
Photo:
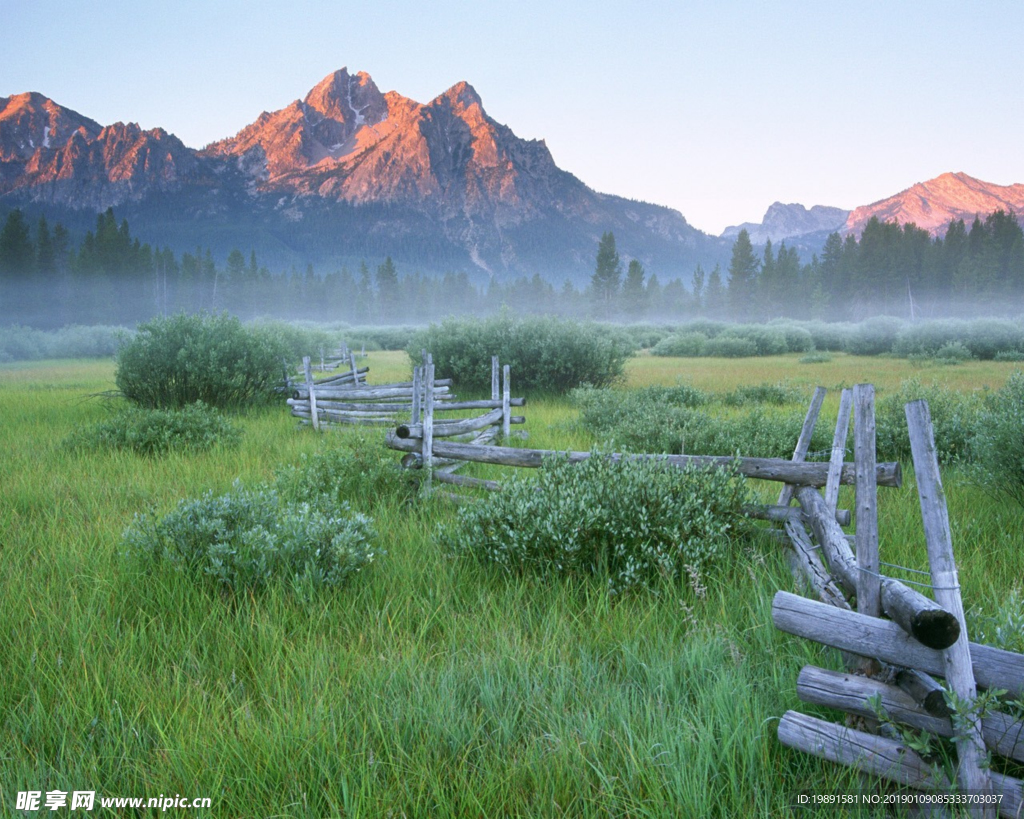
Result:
783,222
346,172
933,204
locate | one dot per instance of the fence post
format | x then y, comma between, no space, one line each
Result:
355,369
869,584
803,443
972,775
835,463
494,378
428,424
506,407
308,371
417,394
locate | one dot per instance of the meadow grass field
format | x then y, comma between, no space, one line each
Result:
430,685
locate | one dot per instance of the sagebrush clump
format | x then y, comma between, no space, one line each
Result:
545,354
195,428
634,523
250,539
174,361
999,443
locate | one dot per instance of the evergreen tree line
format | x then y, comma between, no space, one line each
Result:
111,277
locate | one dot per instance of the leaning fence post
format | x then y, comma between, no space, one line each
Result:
355,369
972,775
869,583
803,443
308,371
495,395
506,406
835,463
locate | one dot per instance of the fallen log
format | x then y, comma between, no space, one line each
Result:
363,393
925,691
447,429
770,469
918,615
885,758
886,641
850,693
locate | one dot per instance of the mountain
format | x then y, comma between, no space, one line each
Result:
345,173
788,222
933,204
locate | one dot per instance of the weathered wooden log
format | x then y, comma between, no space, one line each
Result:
337,416
868,579
835,463
351,406
973,772
364,393
464,480
495,370
918,615
857,749
506,393
780,514
340,378
482,404
770,469
803,443
924,689
886,758
428,424
311,393
850,692
887,642
448,429
811,567
326,421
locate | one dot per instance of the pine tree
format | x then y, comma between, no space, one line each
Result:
607,273
742,278
633,293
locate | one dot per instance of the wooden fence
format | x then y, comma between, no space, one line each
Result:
888,680
894,638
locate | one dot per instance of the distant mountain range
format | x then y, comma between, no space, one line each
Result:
346,173
930,205
350,173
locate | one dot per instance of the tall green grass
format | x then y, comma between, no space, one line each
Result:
431,686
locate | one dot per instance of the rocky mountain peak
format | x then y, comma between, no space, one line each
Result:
350,99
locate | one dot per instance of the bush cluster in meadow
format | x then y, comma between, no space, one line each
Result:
248,539
634,523
305,531
177,360
944,340
195,428
19,343
757,420
545,354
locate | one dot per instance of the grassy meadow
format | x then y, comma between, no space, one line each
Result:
429,686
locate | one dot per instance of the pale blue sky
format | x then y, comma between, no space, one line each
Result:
714,108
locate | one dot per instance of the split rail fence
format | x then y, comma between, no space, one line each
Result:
891,664
894,639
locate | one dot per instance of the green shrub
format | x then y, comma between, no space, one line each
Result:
730,347
634,523
1010,355
816,357
353,469
1004,627
195,428
988,337
953,352
773,394
652,420
999,444
544,353
955,417
874,336
250,539
768,340
178,360
683,345
831,336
